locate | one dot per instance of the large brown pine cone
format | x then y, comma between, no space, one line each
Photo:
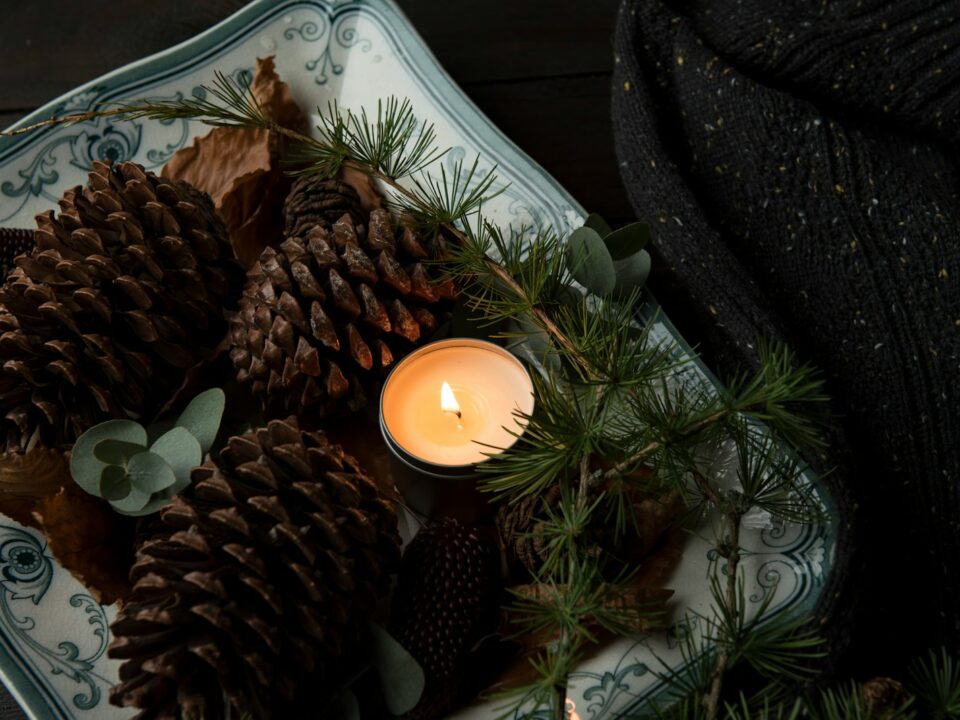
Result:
323,318
268,564
124,290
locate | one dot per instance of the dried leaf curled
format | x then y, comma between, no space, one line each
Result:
240,169
26,478
90,540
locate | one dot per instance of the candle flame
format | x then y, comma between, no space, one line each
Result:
448,401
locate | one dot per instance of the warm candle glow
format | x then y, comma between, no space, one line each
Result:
483,391
448,401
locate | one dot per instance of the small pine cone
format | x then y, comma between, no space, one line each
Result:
447,598
259,581
13,242
518,528
314,201
520,524
123,292
323,318
883,697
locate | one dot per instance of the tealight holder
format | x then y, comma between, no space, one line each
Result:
444,409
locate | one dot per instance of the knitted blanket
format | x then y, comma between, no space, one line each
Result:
797,163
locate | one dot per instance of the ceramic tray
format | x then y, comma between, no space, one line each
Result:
53,635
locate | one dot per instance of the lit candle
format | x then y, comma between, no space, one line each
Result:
445,408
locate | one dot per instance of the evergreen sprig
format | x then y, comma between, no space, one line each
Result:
612,418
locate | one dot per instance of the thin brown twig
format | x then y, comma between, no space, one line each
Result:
731,550
65,120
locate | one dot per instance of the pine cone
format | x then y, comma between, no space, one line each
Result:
268,564
314,201
520,524
519,528
13,242
323,318
884,697
446,599
123,292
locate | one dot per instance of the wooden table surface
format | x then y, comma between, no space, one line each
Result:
540,69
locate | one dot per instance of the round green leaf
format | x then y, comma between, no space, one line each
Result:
627,241
202,417
114,483
596,222
182,452
150,473
132,503
85,466
116,452
343,706
590,261
632,272
401,677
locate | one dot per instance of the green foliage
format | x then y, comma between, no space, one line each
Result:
590,261
936,682
116,461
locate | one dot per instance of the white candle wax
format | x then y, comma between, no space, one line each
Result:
488,384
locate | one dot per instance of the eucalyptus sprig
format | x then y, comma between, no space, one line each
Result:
139,470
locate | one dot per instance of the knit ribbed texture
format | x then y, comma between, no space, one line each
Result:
796,163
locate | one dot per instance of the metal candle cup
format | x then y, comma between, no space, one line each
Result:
443,409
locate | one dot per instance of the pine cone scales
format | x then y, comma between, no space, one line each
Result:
13,242
314,201
123,291
446,599
324,317
255,586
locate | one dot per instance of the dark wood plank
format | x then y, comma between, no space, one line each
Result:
9,118
563,124
51,47
510,39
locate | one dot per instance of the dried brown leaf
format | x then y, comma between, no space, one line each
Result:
240,168
26,478
90,540
370,196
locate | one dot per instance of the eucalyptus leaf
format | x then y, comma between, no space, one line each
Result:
85,466
590,261
401,677
150,473
596,222
114,483
632,272
116,452
628,240
202,417
182,452
134,502
343,706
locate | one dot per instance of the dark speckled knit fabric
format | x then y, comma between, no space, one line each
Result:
798,164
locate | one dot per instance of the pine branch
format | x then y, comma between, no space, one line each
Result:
604,408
